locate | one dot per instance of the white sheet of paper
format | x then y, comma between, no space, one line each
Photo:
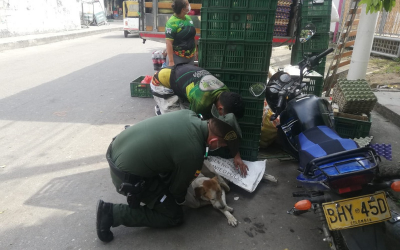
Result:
226,169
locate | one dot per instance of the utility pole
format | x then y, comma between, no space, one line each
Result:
363,45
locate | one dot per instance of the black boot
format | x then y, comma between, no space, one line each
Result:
104,221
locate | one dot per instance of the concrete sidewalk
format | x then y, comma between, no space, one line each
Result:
40,39
388,104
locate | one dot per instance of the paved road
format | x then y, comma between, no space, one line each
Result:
60,105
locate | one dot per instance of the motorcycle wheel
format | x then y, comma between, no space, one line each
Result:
338,240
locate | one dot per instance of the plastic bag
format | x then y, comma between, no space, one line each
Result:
268,129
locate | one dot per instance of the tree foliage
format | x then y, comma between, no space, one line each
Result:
378,5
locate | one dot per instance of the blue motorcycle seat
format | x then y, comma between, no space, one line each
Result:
321,141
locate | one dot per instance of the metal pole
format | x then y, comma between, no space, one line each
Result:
398,52
339,24
155,15
382,22
363,45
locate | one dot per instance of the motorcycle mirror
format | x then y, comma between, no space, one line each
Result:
257,89
307,32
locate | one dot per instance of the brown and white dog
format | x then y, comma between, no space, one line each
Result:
205,191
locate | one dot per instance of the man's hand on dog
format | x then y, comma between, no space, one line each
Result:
239,164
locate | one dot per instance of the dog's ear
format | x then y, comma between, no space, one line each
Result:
215,178
199,191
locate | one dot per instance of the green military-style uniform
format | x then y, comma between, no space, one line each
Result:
193,84
175,149
182,32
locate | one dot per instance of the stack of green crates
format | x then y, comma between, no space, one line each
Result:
318,13
235,46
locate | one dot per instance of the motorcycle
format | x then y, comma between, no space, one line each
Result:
339,179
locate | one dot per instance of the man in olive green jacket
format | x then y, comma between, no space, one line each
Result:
154,162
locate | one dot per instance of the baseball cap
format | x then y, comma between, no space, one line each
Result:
226,127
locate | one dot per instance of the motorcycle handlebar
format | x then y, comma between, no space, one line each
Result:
314,60
325,53
280,101
278,106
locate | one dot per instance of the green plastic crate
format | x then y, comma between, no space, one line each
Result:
321,68
237,25
315,4
248,154
313,85
235,56
140,89
310,8
253,112
350,128
250,132
322,23
318,43
249,145
241,82
241,4
250,135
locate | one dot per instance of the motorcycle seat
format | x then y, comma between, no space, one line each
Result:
321,141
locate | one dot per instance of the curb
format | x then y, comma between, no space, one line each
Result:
52,39
388,114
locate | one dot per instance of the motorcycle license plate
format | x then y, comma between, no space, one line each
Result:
356,212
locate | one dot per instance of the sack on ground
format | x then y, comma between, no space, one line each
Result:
268,129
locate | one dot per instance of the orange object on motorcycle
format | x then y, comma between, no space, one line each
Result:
303,205
395,186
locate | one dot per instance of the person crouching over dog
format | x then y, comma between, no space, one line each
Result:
154,162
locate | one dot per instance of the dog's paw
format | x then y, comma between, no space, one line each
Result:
232,221
229,209
225,186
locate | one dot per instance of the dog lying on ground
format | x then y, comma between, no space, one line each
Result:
205,191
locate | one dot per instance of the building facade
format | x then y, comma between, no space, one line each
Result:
26,17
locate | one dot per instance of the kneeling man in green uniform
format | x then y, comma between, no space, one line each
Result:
154,162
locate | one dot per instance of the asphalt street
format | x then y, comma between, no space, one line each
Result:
60,106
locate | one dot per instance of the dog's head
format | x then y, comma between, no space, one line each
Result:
211,191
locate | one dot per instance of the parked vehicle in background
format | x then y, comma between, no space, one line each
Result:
157,12
131,16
